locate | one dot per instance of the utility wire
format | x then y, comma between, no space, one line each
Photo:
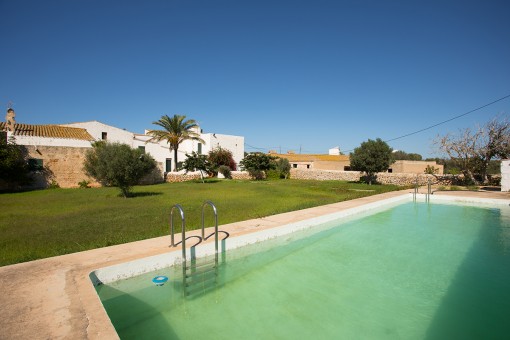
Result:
449,120
445,121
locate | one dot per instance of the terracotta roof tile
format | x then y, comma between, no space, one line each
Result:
50,131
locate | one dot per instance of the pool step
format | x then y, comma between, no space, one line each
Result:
202,271
198,289
200,277
200,264
202,280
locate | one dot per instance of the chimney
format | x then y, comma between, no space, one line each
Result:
9,120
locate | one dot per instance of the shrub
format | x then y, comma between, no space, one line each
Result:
14,169
53,185
225,171
431,170
84,184
118,165
273,175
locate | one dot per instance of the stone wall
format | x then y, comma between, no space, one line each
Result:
401,179
241,175
63,166
174,177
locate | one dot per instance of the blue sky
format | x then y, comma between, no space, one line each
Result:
286,75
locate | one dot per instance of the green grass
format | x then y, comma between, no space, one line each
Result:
46,223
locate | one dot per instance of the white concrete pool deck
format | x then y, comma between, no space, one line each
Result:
54,298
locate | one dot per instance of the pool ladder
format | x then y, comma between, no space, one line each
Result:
198,277
429,189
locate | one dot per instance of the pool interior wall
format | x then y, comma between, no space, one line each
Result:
389,327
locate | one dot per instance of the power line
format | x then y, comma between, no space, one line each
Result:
445,121
449,120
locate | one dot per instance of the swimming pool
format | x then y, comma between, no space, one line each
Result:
412,271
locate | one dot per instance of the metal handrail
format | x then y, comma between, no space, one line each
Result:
183,227
429,189
215,224
415,188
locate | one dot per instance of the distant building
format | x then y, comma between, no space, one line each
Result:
335,161
316,161
415,167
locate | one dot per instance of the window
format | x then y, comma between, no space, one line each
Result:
308,166
199,148
142,148
104,135
168,165
390,170
294,166
35,164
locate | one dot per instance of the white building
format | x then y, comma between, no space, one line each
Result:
160,151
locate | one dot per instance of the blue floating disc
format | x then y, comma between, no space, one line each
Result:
160,280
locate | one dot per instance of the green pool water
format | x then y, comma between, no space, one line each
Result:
415,271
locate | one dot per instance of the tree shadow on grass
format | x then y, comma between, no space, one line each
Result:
206,181
143,194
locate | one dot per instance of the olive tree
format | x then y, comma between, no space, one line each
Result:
371,157
473,150
283,167
118,165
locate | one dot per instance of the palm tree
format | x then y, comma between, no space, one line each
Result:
176,130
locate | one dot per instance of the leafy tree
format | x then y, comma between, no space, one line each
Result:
257,163
14,169
371,157
283,167
175,131
473,150
219,156
431,170
404,156
118,165
196,162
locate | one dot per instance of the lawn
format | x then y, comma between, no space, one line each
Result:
52,222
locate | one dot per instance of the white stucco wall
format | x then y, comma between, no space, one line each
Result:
233,143
96,130
46,141
505,175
